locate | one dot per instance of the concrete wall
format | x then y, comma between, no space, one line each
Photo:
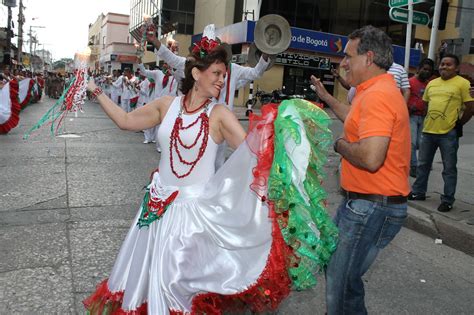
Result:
218,12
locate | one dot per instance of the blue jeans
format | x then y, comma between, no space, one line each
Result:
416,126
448,145
365,227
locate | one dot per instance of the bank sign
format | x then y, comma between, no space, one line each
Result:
304,39
318,41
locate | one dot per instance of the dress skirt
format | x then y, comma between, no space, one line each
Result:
257,229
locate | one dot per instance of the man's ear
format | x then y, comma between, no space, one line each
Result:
370,58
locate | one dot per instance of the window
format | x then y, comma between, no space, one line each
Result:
186,5
170,4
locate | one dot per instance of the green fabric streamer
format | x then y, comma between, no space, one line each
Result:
52,114
304,221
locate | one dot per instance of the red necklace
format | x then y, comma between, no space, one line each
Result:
176,141
194,110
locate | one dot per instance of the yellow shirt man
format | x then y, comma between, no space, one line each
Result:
445,100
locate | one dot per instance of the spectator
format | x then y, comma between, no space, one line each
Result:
401,78
417,107
450,106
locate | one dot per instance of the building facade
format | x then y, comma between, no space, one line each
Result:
116,46
94,38
319,29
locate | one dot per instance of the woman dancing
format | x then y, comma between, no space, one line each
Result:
206,242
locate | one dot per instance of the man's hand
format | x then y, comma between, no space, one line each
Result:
320,89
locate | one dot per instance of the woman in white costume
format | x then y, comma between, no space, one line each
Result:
207,242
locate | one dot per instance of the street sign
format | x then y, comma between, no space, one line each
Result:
402,3
401,15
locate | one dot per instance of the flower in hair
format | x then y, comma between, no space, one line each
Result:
205,46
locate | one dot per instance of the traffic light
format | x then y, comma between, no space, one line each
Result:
442,16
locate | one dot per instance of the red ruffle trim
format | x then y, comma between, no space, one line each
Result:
274,284
12,122
271,288
102,301
26,101
260,140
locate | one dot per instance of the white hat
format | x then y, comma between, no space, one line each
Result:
209,31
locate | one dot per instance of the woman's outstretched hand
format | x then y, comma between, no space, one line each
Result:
91,86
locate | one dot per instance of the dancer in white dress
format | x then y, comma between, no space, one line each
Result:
206,242
236,77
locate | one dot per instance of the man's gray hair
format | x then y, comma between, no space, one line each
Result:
375,40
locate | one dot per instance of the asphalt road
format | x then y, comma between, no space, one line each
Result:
66,204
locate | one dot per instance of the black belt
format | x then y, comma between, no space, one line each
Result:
375,198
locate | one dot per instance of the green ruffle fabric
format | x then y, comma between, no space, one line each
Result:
305,224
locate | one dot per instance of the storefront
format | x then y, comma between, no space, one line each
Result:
112,62
310,53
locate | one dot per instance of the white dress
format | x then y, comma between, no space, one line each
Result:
215,243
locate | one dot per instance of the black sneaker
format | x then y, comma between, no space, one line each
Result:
413,196
413,172
445,207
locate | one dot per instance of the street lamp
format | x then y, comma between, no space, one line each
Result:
31,43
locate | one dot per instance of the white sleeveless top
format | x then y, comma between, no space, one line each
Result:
205,167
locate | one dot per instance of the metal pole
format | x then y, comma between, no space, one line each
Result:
42,60
31,47
7,56
408,36
257,13
434,30
21,20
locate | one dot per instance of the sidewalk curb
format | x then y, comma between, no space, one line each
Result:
455,234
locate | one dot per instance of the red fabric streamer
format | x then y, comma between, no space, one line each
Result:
12,122
68,103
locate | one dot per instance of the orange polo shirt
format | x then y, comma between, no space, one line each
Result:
379,109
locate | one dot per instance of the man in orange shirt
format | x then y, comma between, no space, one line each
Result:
375,150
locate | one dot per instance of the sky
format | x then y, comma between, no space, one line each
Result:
66,22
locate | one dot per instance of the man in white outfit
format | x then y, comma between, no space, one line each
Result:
128,81
116,88
165,82
235,77
144,98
